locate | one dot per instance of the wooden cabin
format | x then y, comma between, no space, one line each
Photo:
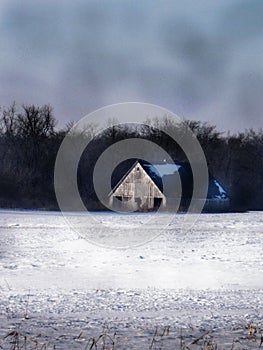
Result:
138,186
137,191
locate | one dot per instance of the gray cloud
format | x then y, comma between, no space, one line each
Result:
242,21
202,61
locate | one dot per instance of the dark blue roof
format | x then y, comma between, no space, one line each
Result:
164,172
161,172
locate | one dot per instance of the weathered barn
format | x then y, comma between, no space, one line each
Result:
138,186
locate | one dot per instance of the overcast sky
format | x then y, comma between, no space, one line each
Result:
200,59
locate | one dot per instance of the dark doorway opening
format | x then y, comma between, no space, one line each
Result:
157,203
138,201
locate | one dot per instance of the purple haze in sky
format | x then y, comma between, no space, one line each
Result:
200,59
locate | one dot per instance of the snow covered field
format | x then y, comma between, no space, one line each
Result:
208,278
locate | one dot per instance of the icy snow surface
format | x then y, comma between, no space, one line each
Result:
163,169
221,190
209,277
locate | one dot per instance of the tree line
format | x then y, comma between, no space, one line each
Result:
30,139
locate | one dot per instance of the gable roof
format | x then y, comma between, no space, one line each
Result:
123,178
166,172
129,174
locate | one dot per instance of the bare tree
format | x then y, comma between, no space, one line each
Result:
8,120
36,121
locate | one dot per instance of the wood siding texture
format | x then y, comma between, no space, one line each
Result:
137,191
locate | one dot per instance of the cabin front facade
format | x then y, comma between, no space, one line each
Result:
137,191
141,189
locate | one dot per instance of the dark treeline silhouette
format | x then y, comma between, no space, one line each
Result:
29,142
